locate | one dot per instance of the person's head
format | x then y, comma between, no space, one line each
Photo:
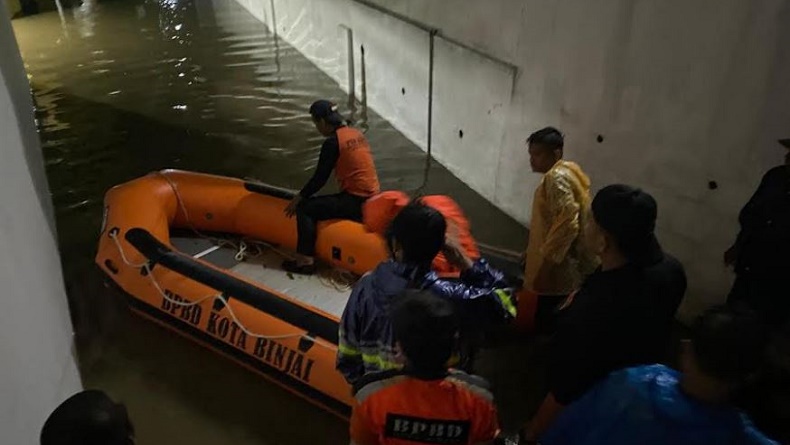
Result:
88,418
425,328
325,117
786,144
416,234
545,149
623,224
727,346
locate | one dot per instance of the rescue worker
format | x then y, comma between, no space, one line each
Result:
415,236
760,253
623,313
379,211
424,402
88,418
656,405
557,260
347,152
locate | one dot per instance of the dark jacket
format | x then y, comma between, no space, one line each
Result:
366,340
619,318
764,239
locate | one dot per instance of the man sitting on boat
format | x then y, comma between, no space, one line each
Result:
415,237
347,152
424,402
379,211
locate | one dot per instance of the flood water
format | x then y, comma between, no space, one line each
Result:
123,88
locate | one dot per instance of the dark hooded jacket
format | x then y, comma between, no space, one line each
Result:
366,340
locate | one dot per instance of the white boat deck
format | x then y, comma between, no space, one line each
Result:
327,290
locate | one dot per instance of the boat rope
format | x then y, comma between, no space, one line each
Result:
181,204
338,280
149,273
244,248
241,247
242,251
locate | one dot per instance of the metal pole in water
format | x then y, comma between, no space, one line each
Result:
351,75
431,39
62,19
430,96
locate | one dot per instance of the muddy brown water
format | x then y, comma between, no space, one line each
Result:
123,88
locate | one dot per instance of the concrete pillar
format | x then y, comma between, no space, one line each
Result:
39,370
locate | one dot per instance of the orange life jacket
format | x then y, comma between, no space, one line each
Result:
355,171
393,408
379,211
457,226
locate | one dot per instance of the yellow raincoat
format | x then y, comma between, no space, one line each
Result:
559,211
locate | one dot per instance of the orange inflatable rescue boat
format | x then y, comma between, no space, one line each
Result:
281,325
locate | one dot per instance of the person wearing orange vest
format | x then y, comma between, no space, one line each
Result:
379,211
425,402
347,152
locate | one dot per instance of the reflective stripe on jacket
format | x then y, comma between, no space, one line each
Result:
366,339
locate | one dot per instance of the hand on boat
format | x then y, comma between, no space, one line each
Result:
290,210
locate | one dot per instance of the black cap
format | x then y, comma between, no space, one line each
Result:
785,142
629,214
326,110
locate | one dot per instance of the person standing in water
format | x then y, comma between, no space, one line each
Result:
557,260
347,152
760,253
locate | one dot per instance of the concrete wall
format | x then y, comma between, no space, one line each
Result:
319,29
391,76
38,370
682,93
